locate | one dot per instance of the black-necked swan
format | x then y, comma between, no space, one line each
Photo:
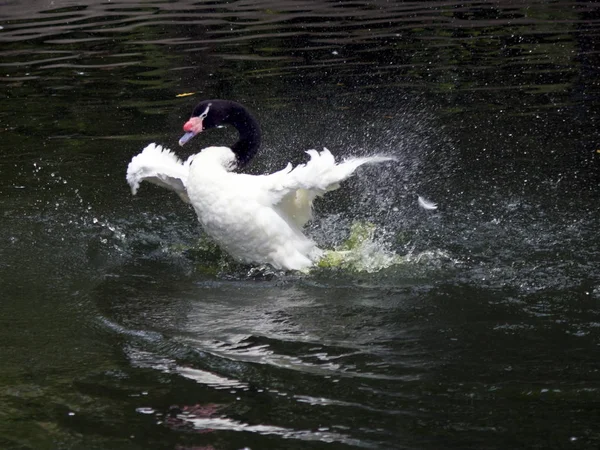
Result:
254,218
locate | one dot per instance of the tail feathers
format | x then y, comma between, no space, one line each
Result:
159,166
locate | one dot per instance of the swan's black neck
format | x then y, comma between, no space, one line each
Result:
226,112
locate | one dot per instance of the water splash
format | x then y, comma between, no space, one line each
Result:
368,249
361,252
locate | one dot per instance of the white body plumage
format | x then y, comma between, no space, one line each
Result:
255,218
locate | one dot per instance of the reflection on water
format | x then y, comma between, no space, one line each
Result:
120,330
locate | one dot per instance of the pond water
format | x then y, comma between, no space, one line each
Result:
119,331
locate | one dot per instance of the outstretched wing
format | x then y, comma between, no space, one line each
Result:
294,190
159,166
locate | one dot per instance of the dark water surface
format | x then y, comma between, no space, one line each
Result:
114,334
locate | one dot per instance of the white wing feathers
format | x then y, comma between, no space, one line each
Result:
319,175
294,190
291,190
161,167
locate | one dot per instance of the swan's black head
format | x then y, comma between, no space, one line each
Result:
213,113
